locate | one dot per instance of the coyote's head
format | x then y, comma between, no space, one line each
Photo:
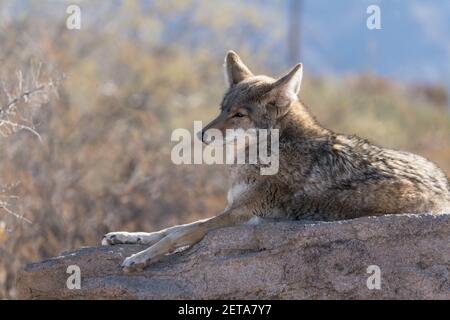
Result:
253,102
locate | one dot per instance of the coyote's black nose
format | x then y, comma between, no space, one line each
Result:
200,135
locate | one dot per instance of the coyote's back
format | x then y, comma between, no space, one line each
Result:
347,177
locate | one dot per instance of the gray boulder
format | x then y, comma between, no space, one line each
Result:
285,260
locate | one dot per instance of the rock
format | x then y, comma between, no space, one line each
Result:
285,260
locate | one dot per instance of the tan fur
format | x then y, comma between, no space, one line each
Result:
322,175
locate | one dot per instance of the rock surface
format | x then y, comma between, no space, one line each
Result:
285,260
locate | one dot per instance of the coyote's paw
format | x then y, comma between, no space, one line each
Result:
113,238
135,263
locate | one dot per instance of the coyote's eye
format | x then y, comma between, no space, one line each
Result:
238,115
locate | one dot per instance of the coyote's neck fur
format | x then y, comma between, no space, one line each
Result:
299,123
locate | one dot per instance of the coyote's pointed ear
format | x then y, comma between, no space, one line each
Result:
235,69
290,84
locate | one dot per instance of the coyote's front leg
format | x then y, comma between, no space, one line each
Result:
180,236
122,237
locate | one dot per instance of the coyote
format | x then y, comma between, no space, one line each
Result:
322,175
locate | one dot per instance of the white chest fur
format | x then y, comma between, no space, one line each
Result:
236,191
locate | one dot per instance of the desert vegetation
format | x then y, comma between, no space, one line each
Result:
86,116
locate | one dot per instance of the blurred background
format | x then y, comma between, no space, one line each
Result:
86,115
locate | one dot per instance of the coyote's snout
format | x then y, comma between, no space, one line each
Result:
322,175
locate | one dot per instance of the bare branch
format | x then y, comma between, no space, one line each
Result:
24,96
20,126
3,205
